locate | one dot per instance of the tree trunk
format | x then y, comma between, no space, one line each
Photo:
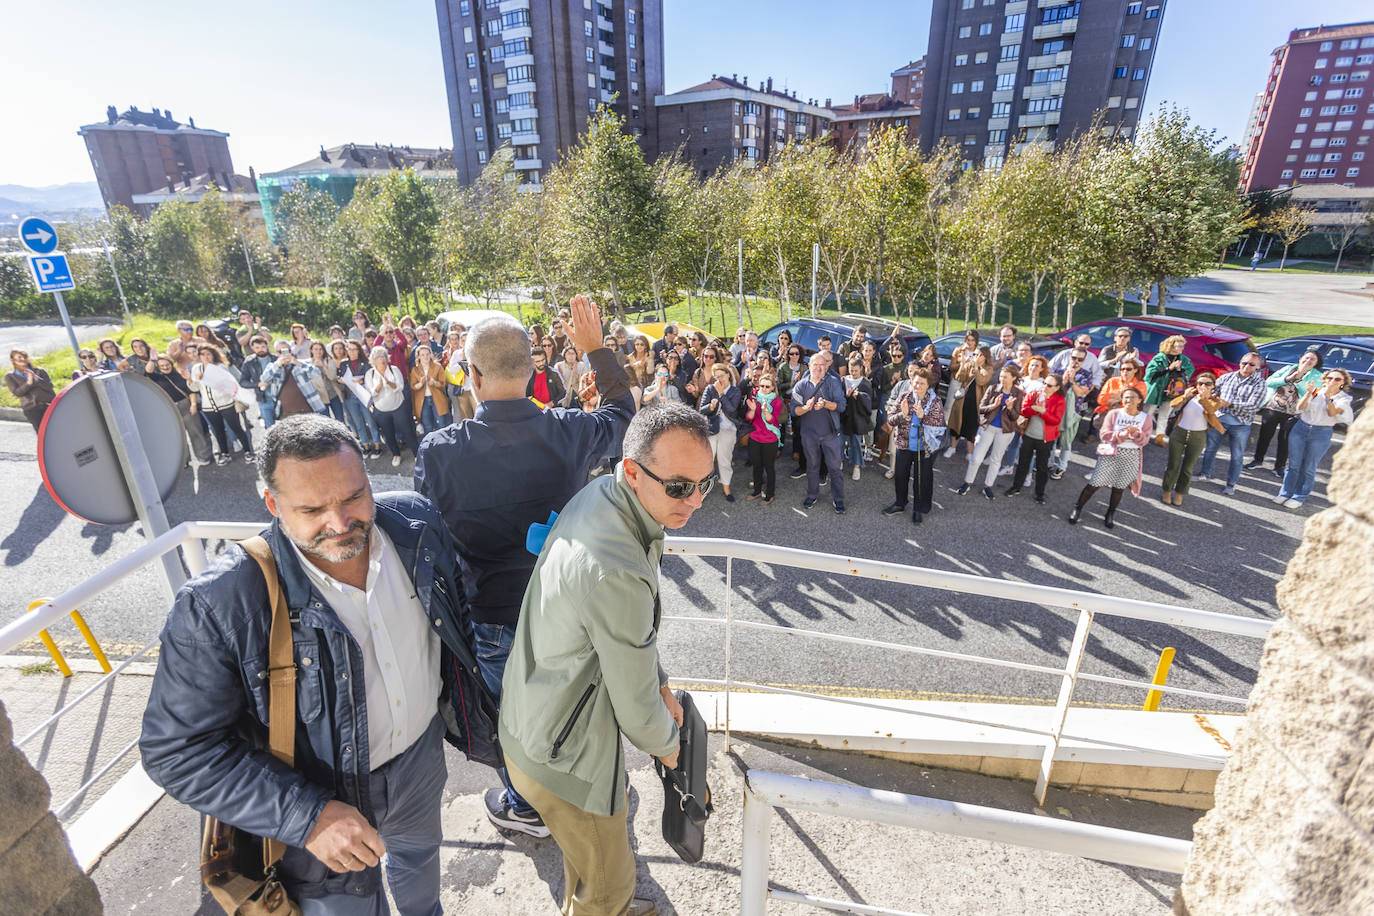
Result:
1161,298
399,302
1069,302
1121,302
1284,259
1145,299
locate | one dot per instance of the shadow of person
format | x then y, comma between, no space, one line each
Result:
101,536
39,519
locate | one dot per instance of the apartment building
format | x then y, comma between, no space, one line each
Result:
724,119
908,82
1316,114
1000,73
853,124
529,72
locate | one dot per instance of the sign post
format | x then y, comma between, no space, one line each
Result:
129,319
50,269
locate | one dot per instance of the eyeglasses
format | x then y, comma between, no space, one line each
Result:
88,356
1075,359
1128,368
1250,363
682,489
547,346
1205,384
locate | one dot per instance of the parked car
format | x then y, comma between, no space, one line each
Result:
1210,346
1354,354
1041,345
807,332
466,317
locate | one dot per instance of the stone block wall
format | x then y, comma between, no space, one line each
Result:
40,876
1293,827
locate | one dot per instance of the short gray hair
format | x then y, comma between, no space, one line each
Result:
303,437
499,348
652,421
378,353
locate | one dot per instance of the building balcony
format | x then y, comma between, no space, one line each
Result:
1045,90
1003,95
1039,119
999,123
605,48
508,5
518,31
1017,6
606,95
1055,29
1008,66
524,164
519,60
750,141
527,139
606,73
604,24
526,86
1045,61
751,119
1012,38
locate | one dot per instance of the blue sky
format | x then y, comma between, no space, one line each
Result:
285,77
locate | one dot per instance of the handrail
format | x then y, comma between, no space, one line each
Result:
764,791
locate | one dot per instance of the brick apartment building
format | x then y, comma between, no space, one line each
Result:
529,72
908,82
997,73
724,119
853,124
1316,114
144,152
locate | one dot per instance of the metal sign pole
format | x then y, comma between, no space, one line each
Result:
67,323
129,319
133,462
815,265
739,302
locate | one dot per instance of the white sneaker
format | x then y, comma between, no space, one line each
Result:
1007,471
949,452
395,461
1293,504
1280,499
855,475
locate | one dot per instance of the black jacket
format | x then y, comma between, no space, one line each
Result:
858,409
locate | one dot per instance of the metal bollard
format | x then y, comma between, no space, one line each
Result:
1166,659
86,634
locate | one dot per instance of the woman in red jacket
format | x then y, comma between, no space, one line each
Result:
1041,412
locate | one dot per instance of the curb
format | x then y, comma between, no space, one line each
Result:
12,413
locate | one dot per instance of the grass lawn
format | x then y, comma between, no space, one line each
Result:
1349,265
60,364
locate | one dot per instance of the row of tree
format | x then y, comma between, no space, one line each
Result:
892,229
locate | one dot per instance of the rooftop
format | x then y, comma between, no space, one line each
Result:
875,104
733,84
354,158
914,67
239,188
1329,32
156,120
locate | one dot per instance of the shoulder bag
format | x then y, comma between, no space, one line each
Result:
686,796
238,869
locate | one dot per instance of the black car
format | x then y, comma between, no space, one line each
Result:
988,337
1354,354
807,332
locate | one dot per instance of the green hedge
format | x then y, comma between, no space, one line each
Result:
278,308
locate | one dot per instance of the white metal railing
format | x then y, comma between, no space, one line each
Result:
1086,604
764,791
189,537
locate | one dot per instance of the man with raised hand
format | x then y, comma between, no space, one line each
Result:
585,669
510,467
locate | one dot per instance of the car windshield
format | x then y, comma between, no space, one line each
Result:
1231,351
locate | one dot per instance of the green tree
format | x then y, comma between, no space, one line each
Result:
307,216
669,266
532,226
712,222
399,220
782,220
887,189
1039,216
475,253
609,216
1290,223
936,227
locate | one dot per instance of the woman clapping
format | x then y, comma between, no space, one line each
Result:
1125,430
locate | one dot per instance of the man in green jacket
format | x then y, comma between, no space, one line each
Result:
584,666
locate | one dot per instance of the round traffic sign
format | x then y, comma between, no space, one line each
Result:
77,458
38,235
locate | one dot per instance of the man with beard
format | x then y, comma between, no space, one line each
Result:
371,589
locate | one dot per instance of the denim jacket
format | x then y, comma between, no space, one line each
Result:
204,733
304,373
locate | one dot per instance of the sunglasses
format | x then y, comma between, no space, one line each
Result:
1075,359
682,489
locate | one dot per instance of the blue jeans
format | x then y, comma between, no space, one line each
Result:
407,793
267,409
1237,436
336,408
854,449
359,419
1307,445
493,648
430,418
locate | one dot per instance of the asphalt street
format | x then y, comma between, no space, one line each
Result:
1222,554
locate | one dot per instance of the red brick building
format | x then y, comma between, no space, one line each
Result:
909,81
1316,116
853,123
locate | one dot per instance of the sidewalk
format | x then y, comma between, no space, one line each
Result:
1310,298
154,869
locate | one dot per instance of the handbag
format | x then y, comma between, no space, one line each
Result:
238,869
1106,449
1176,387
686,796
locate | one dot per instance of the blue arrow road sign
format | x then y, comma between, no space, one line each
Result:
51,272
38,235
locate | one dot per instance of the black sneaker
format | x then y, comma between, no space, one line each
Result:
1056,474
839,508
500,813
808,502
963,488
825,479
1014,491
798,474
894,509
987,491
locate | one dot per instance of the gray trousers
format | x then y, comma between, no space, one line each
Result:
200,443
815,443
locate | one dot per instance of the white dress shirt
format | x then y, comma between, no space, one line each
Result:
391,396
400,649
1314,414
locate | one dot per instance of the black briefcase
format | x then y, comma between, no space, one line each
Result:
686,797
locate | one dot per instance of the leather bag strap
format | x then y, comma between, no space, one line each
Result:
281,670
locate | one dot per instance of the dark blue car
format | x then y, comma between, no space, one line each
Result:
807,332
1354,354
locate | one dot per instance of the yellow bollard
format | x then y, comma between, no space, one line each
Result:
1166,658
47,640
86,634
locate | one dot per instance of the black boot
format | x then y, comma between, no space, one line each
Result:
1111,507
1073,515
1107,519
1083,498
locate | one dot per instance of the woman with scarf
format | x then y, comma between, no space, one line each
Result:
765,411
918,425
1166,377
998,415
1125,430
1041,413
720,403
1076,384
969,379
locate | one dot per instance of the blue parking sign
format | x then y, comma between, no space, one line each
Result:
51,272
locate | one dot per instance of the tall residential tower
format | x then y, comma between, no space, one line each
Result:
529,72
999,73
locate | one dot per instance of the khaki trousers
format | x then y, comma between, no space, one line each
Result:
598,866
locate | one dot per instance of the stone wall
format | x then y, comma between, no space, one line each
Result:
40,874
1291,830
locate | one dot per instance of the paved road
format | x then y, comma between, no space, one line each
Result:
1224,554
38,339
1266,293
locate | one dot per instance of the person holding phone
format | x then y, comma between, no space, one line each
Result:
1166,377
390,406
720,404
765,412
31,385
1319,410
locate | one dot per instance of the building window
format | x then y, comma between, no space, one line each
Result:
493,27
482,156
1326,46
1357,157
1128,41
1308,173
966,4
1001,109
630,16
591,80
1048,75
634,112
591,105
522,100
970,139
1332,157
997,136
1006,80
465,8
973,114
1305,113
980,57
1052,47
473,85
477,109
1120,73
501,105
1328,110
1011,52
1319,64
479,135
956,88
1327,173
1322,127
955,114
472,60
520,74
1314,81
1359,76
1286,173
1312,157
1318,142
1037,106
985,28
961,60
591,55
1332,94
1132,9
1152,12
1339,77
1299,128
524,125
1296,144
1345,125
1338,141
1058,13
1015,23
1344,61
1352,173
1310,97
965,31
634,65
1290,158
1354,93
975,86
634,85
1144,44
587,29
498,81
467,34
633,40
497,53
1138,74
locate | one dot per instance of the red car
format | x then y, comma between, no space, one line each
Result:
1209,346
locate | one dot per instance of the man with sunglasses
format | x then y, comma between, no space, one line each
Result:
507,468
1240,393
585,666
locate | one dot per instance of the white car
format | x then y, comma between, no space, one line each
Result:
466,317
